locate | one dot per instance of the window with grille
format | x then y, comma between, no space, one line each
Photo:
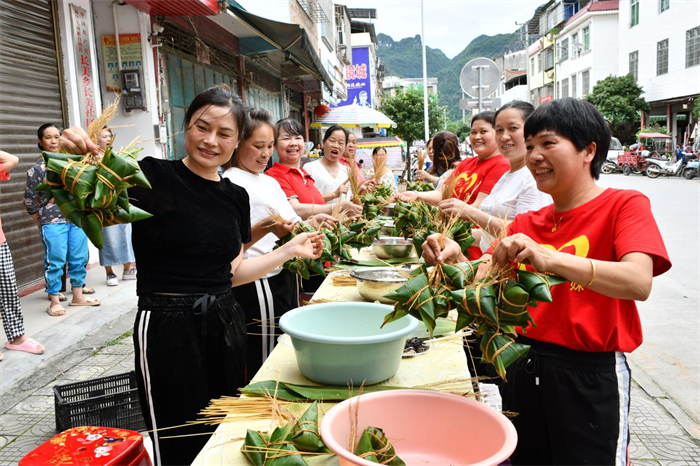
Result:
575,51
634,64
662,57
539,62
564,50
585,82
573,86
586,38
532,66
558,94
692,47
663,5
565,87
634,13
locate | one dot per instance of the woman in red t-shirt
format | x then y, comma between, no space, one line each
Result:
572,390
296,182
475,175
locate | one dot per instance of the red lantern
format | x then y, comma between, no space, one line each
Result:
320,110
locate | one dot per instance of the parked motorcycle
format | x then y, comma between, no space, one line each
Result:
610,167
690,171
659,167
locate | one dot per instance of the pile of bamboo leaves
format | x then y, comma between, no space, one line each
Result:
495,305
91,191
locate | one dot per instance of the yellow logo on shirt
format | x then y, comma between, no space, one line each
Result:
464,183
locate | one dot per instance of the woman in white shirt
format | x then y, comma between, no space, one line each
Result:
330,175
515,193
268,298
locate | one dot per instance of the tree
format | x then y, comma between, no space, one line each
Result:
459,128
406,109
619,98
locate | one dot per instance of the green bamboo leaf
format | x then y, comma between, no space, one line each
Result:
538,285
306,435
374,446
255,447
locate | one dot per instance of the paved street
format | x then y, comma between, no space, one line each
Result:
94,342
670,354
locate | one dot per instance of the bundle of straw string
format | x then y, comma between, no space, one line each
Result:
421,159
380,168
353,181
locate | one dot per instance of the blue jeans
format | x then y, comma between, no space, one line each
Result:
64,243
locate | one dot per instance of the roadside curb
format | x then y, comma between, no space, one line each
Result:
658,395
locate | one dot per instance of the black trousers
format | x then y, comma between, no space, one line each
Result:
189,350
573,406
264,301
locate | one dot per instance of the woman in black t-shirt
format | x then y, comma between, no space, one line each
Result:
189,334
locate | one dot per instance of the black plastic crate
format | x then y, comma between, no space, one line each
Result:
105,402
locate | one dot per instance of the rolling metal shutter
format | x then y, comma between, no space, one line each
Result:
30,95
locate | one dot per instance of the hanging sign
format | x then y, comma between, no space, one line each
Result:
83,64
130,49
358,77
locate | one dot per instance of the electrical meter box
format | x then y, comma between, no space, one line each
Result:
133,97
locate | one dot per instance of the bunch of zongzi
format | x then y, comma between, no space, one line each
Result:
91,191
420,186
367,231
286,445
304,266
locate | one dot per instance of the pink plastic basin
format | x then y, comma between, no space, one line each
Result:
425,428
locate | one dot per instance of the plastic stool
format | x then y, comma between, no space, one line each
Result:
98,446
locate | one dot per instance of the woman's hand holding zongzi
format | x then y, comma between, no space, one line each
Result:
306,245
448,253
75,140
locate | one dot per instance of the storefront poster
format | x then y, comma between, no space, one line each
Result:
83,64
358,79
130,49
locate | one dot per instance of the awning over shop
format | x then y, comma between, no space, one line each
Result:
291,39
379,142
179,8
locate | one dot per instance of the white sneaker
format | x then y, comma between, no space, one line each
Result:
130,274
112,280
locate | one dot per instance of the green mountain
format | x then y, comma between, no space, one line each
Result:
404,59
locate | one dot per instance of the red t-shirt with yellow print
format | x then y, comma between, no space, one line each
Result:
615,223
476,176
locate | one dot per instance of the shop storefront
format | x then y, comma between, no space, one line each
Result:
31,94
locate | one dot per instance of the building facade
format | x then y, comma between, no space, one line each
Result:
659,44
392,84
587,49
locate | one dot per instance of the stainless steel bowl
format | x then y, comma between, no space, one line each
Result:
392,247
388,228
388,210
373,283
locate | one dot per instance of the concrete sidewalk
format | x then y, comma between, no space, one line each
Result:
96,342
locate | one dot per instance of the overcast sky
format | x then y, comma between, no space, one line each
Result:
449,24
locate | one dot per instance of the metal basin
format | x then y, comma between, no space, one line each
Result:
388,210
392,247
388,228
373,283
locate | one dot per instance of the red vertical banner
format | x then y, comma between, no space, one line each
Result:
83,64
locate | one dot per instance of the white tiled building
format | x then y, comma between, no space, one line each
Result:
587,49
659,43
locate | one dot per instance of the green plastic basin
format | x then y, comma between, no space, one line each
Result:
341,343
